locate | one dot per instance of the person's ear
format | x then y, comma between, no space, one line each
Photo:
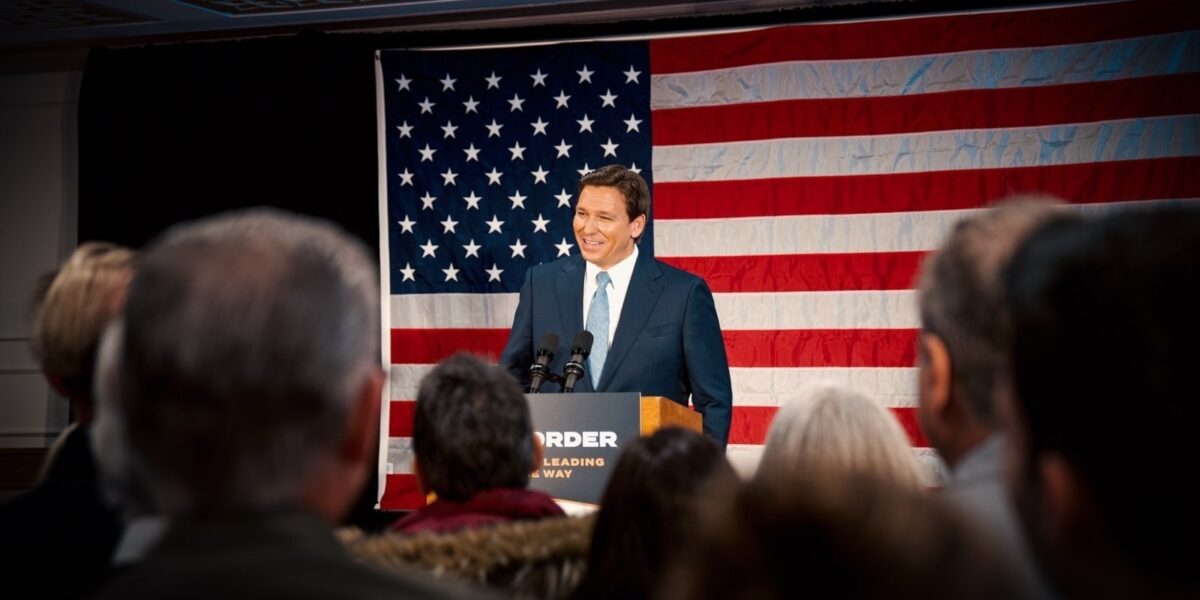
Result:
638,225
935,379
362,430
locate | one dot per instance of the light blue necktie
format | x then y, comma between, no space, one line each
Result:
597,325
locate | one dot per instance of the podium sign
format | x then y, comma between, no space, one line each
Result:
582,435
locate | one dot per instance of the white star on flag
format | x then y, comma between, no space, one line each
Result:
428,248
631,76
494,128
449,224
449,176
494,224
539,126
517,151
472,153
406,177
447,83
426,106
427,201
471,103
408,272
564,149
406,225
585,124
493,81
518,249
539,79
451,273
610,149
403,81
427,153
448,130
518,199
539,224
494,273
561,99
585,75
494,176
405,129
472,200
516,103
633,167
585,170
564,248
631,124
564,199
472,248
609,98
539,176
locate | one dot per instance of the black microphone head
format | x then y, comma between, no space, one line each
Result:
549,344
582,344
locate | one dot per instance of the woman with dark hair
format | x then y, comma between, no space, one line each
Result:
648,502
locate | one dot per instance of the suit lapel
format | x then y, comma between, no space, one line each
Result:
644,290
569,289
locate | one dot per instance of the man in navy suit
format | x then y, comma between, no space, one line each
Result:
655,326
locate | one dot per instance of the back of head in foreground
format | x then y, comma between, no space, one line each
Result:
827,427
650,502
472,430
833,535
1104,412
246,374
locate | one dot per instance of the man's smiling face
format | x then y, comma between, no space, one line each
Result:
603,230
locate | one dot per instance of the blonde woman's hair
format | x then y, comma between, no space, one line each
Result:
828,427
73,310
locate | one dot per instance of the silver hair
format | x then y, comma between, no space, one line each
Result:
245,339
830,428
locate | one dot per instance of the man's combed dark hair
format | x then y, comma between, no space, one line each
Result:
630,184
472,431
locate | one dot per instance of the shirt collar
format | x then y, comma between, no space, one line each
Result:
620,273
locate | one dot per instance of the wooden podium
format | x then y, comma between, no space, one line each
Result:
582,435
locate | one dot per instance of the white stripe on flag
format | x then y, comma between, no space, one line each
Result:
984,69
888,309
1128,139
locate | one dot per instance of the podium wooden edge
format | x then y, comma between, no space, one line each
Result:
660,411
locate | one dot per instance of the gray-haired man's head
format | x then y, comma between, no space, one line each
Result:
248,351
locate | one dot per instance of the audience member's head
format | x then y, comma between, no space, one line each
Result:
1104,407
963,344
651,500
245,375
471,430
834,536
72,309
831,428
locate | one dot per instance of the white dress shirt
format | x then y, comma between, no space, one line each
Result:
621,273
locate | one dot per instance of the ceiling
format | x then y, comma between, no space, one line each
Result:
27,24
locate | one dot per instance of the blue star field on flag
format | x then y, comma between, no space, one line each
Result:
485,149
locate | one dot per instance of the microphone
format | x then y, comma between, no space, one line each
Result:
581,347
545,354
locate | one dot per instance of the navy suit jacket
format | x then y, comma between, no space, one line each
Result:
668,340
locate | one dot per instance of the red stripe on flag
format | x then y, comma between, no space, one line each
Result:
400,418
922,35
428,346
749,425
804,272
402,493
746,348
961,109
821,347
1116,181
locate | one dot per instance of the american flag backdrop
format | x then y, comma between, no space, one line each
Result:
803,171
